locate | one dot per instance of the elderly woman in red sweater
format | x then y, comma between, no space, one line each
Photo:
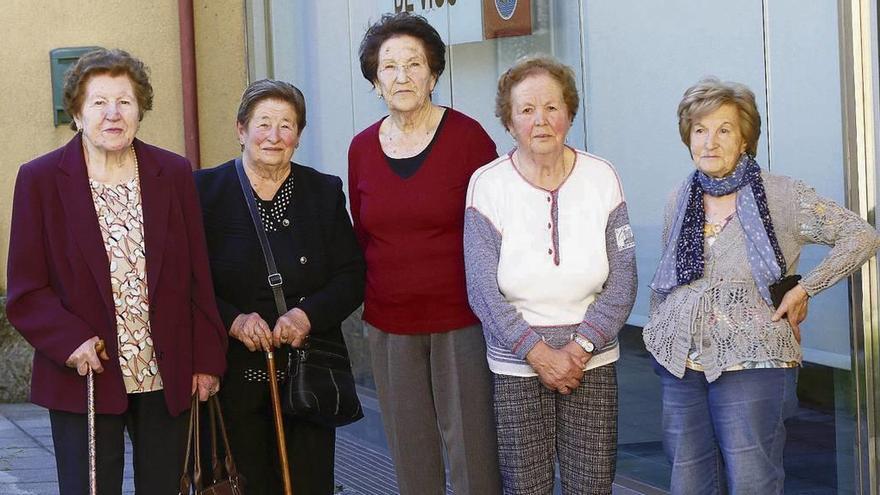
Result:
408,174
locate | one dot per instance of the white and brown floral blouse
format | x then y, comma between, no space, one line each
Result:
121,220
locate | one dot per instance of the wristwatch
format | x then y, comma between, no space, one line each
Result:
584,342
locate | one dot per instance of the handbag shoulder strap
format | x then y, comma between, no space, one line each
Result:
216,469
185,483
197,458
229,462
275,280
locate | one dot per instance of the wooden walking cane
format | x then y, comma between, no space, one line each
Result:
279,422
275,281
90,414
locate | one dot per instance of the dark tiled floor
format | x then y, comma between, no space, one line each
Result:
361,469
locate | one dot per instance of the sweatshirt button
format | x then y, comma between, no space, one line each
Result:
303,260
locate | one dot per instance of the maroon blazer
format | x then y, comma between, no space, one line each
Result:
59,292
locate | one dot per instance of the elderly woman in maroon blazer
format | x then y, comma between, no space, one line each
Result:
107,243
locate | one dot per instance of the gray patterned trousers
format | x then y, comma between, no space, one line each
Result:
537,426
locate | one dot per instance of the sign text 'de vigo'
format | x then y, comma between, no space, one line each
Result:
414,5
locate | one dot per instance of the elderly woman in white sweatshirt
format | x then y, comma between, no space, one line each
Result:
551,274
725,313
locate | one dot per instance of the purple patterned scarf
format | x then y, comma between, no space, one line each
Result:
682,260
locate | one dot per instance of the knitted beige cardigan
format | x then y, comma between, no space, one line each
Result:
723,312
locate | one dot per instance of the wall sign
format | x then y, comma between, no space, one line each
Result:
417,5
466,21
503,18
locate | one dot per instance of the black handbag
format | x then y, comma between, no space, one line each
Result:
780,288
226,479
319,386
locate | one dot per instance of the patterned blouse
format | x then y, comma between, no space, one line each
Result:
273,213
121,220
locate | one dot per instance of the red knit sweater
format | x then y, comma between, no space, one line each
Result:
411,229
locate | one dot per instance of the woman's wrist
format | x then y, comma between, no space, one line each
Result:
539,354
236,324
301,319
801,291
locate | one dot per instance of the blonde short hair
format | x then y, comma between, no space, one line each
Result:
707,96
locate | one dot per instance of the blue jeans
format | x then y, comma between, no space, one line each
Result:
730,431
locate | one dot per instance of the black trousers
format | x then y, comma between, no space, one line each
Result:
157,438
311,449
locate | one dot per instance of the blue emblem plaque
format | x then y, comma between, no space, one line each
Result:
505,8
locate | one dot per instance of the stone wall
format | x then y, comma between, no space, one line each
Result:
16,356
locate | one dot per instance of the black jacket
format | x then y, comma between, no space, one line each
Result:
317,256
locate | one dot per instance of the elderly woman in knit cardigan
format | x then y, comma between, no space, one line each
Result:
726,309
551,273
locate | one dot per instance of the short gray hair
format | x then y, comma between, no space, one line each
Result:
711,93
270,89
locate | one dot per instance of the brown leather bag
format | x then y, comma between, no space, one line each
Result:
232,483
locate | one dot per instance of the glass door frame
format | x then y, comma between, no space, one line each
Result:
858,47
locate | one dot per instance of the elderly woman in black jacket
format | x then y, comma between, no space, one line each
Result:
311,237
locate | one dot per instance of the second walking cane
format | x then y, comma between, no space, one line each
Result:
275,282
90,418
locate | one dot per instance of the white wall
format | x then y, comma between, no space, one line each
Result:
313,51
